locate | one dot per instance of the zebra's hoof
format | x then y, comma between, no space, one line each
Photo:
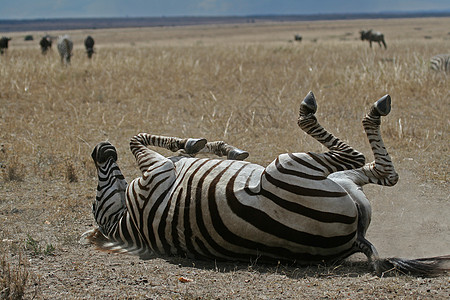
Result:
194,145
237,154
383,106
308,105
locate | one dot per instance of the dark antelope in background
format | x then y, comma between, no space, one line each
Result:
45,43
89,44
373,36
4,44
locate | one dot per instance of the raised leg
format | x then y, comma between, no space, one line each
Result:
220,148
191,146
381,171
341,156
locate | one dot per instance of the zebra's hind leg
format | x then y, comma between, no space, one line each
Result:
221,148
341,156
381,171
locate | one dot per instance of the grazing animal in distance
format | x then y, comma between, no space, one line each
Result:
65,47
45,43
306,208
89,44
298,37
440,62
4,44
373,36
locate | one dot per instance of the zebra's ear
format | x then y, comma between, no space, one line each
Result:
94,154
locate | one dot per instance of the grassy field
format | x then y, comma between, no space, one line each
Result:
239,83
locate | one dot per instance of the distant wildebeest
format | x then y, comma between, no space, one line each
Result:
373,36
4,44
45,43
28,37
65,46
89,44
440,62
298,37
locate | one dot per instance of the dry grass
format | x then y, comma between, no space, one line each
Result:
241,84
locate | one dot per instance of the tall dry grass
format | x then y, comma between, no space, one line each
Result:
244,92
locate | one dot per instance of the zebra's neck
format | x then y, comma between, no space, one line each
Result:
109,205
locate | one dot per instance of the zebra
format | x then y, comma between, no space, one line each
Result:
89,44
373,36
4,44
305,208
440,62
45,43
65,47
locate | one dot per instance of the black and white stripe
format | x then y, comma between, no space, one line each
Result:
65,47
440,62
303,207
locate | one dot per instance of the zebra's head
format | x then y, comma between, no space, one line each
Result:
102,152
110,201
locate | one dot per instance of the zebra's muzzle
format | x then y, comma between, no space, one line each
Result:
102,152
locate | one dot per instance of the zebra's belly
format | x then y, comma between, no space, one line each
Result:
225,213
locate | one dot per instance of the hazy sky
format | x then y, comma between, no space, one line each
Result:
32,9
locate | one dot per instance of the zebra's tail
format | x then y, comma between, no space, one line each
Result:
425,267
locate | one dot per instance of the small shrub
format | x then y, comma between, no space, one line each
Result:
32,245
71,175
35,248
13,170
13,280
49,250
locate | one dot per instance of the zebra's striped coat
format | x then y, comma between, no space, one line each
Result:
65,47
303,207
440,62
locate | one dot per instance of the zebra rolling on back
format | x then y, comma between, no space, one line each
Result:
65,47
306,208
440,62
373,36
89,45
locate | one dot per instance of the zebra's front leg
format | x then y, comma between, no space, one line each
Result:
221,148
341,156
174,144
381,171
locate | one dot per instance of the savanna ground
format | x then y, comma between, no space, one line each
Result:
242,84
